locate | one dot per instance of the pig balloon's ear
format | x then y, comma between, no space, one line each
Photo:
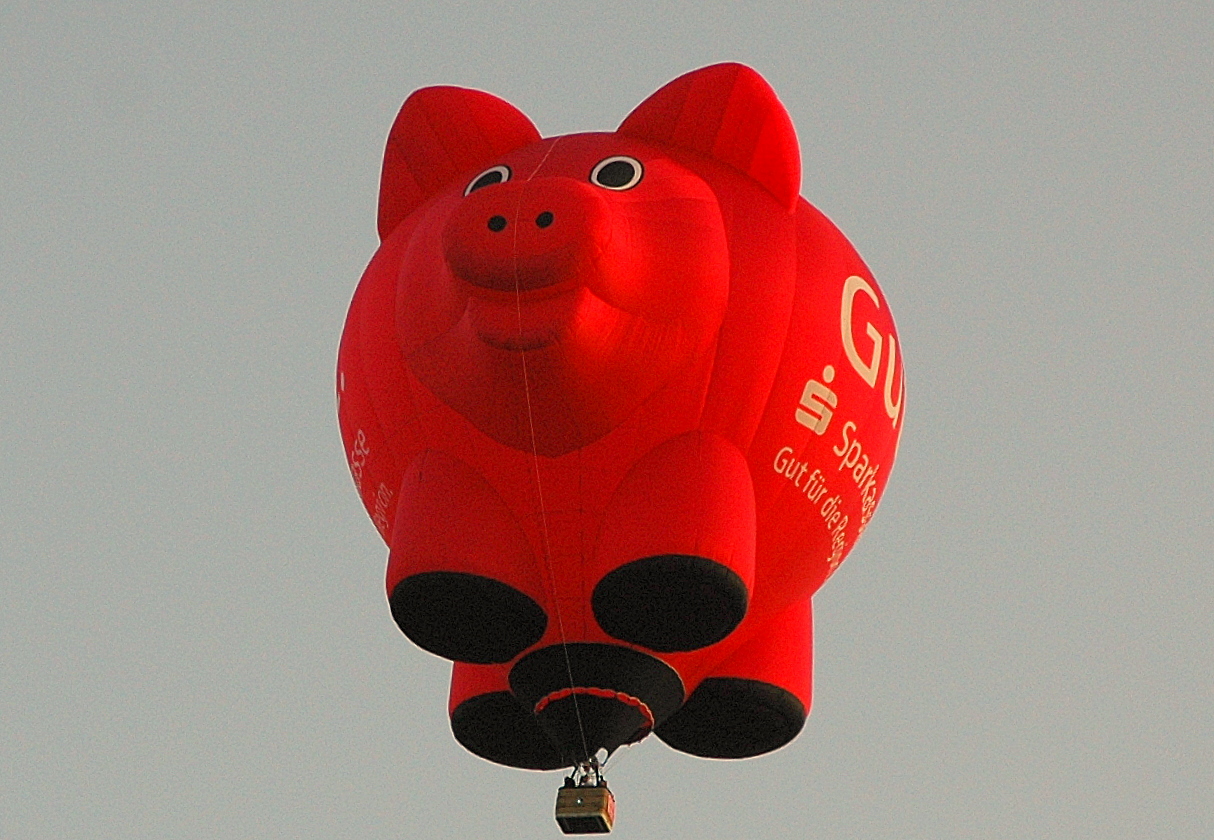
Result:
731,114
440,134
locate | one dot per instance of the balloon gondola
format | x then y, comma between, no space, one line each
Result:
584,804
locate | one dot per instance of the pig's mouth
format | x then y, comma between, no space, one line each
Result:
520,323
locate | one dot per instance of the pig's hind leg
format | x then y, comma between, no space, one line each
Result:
489,721
757,700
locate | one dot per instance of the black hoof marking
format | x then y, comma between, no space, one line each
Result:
496,727
466,617
672,602
730,717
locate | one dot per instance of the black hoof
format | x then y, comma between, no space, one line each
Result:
730,717
466,617
496,727
672,602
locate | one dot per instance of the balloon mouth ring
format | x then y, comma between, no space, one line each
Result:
606,693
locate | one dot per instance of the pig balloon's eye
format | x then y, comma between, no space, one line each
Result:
617,173
492,175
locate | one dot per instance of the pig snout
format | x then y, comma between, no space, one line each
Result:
527,235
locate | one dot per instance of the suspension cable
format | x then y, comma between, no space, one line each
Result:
539,487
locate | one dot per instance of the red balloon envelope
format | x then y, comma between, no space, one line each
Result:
619,403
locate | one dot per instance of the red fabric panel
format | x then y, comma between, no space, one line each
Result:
816,489
468,681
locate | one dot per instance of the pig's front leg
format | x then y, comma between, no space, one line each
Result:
674,561
462,578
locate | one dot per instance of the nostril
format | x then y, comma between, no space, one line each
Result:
497,223
543,219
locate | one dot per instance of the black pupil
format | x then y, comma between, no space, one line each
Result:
493,176
616,174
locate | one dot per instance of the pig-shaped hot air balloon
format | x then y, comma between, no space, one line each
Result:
619,403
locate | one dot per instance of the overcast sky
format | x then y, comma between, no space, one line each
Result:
194,640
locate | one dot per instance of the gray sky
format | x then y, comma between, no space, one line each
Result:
194,641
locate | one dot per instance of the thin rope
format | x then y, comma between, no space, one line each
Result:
539,486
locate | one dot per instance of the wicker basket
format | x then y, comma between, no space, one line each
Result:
585,810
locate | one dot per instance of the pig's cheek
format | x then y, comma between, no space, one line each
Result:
430,302
666,261
429,299
692,303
